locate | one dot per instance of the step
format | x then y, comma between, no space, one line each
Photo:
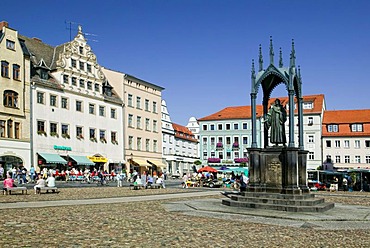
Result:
322,207
278,196
278,201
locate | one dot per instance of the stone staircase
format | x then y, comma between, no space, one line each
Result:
275,201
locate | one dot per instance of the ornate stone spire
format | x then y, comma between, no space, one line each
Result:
253,70
299,73
281,59
260,59
292,55
271,52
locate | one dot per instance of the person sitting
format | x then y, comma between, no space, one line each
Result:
160,181
50,181
8,183
39,184
150,180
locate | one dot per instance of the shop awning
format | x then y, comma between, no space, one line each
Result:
52,158
141,162
157,163
81,160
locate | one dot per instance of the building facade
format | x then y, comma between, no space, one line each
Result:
15,146
346,138
142,121
76,114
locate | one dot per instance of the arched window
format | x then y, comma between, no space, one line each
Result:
4,69
10,99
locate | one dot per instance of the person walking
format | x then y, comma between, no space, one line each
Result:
119,179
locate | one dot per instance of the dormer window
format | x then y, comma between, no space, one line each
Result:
356,127
332,128
81,49
308,105
43,74
10,44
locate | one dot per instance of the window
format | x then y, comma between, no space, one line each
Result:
65,130
138,144
357,159
155,146
82,83
337,143
10,44
212,127
97,87
10,129
74,81
88,67
53,100
204,127
16,72
221,155
4,69
2,128
10,99
92,134
73,63
357,144
337,159
79,132
228,141
147,145
310,121
346,144
91,108
205,141
79,106
356,127
146,105
154,126
308,105
130,120
113,113
64,103
129,100
154,107
65,79
332,128
101,111
245,140
311,155
367,159
227,127
236,154
236,126
53,129
113,136
346,159
219,126
41,126
89,85
102,134
17,131
245,126
82,65
367,143
81,49
138,122
311,139
138,102
328,143
130,142
147,124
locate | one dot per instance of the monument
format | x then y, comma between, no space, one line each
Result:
278,169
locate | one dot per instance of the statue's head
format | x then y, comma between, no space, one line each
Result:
277,102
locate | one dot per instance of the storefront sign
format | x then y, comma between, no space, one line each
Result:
98,159
63,148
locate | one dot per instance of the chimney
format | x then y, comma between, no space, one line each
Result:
3,24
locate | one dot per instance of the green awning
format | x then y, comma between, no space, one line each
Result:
81,160
52,158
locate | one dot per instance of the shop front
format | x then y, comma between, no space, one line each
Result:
139,165
51,160
99,162
157,166
80,162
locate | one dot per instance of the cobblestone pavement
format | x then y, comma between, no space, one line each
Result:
149,224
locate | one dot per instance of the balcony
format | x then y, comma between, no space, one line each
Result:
214,160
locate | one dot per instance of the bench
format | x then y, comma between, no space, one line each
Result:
136,186
47,189
155,186
12,189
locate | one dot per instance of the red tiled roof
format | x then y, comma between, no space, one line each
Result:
244,112
344,119
183,132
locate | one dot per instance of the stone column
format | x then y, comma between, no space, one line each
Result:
254,169
302,171
290,171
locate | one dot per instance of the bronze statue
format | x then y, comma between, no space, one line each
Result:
275,119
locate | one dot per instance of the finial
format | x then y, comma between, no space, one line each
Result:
271,52
260,59
253,71
292,55
299,73
79,29
281,58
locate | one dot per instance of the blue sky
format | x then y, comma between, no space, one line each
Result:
200,51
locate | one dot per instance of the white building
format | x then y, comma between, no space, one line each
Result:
76,114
